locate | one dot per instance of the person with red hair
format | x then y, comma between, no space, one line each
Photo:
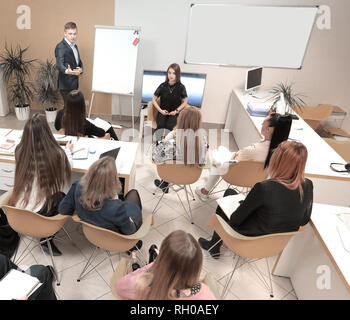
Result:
282,203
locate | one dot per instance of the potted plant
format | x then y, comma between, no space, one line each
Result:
16,73
284,99
46,90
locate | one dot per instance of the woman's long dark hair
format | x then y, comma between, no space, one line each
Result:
74,116
282,125
39,158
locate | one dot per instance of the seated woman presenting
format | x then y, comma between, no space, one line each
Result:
275,129
95,199
43,171
187,144
173,98
173,275
281,203
73,118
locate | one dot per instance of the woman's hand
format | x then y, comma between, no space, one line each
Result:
164,112
69,146
172,113
234,157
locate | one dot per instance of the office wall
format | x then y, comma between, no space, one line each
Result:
324,77
47,20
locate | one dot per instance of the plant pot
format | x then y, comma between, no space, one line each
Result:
22,112
51,114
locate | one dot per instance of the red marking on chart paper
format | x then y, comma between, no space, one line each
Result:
136,41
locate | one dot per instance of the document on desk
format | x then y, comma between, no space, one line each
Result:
258,109
17,284
343,228
80,151
8,145
229,204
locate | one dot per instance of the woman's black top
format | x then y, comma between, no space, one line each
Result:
170,96
90,129
270,207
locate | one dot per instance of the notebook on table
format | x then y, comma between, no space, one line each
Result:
80,153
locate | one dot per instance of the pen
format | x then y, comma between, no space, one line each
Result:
77,150
8,132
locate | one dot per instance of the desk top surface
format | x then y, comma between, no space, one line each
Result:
324,217
124,162
320,154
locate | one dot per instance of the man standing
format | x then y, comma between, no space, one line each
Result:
68,61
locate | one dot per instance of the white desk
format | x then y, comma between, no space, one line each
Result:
329,187
125,161
315,255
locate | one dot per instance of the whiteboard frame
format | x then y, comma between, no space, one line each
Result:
245,5
137,53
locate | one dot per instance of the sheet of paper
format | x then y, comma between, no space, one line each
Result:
98,122
8,145
80,151
344,234
345,218
230,203
16,284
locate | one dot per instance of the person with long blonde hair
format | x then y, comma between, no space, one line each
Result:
186,144
95,199
282,203
43,170
175,273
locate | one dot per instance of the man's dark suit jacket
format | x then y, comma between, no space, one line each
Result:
64,57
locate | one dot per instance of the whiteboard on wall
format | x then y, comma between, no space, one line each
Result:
248,35
115,58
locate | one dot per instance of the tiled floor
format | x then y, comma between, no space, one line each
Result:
170,216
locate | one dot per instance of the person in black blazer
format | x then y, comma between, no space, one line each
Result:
68,61
281,203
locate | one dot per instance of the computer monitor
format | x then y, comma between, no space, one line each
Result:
194,83
253,79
